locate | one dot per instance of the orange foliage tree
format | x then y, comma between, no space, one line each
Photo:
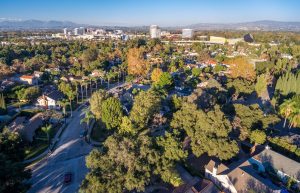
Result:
137,65
241,68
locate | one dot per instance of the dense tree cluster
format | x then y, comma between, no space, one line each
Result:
288,83
208,131
12,153
249,118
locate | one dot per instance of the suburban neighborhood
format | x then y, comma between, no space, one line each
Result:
205,108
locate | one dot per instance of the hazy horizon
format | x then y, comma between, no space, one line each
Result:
140,13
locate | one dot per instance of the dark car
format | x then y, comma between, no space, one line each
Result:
68,178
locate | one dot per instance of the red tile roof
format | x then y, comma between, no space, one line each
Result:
27,77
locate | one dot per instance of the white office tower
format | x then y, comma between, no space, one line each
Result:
76,31
154,31
118,32
187,33
65,31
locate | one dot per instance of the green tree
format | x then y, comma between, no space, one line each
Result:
208,131
261,85
13,174
111,112
145,105
127,164
96,102
47,130
69,91
239,86
258,137
88,116
165,80
294,118
248,118
28,94
286,109
173,147
127,127
196,72
288,83
63,103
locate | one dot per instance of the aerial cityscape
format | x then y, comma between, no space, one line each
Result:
128,96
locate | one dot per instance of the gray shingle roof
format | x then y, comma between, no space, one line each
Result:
280,162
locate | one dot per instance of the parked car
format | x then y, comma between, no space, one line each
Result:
68,178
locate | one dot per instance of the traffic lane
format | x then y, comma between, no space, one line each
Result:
51,178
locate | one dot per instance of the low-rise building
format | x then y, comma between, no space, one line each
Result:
238,179
26,128
29,79
50,100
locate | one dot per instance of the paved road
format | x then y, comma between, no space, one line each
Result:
69,156
48,174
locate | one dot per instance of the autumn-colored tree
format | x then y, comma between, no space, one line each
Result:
137,65
241,68
156,74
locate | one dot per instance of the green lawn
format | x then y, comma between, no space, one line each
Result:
18,104
40,143
38,147
99,132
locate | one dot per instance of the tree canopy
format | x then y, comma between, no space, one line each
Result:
208,131
12,153
111,112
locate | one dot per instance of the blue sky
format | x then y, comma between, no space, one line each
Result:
145,12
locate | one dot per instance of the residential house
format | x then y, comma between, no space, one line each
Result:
97,73
38,74
239,178
26,128
49,100
193,184
282,165
6,84
29,79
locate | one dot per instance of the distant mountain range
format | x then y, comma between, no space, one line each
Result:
264,25
35,24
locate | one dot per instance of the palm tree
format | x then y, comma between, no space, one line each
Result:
63,103
76,90
47,129
295,119
286,109
71,96
81,90
87,116
109,75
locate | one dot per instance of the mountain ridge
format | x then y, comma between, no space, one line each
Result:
261,25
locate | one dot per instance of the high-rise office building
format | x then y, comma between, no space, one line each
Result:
65,31
187,33
76,31
154,31
81,30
